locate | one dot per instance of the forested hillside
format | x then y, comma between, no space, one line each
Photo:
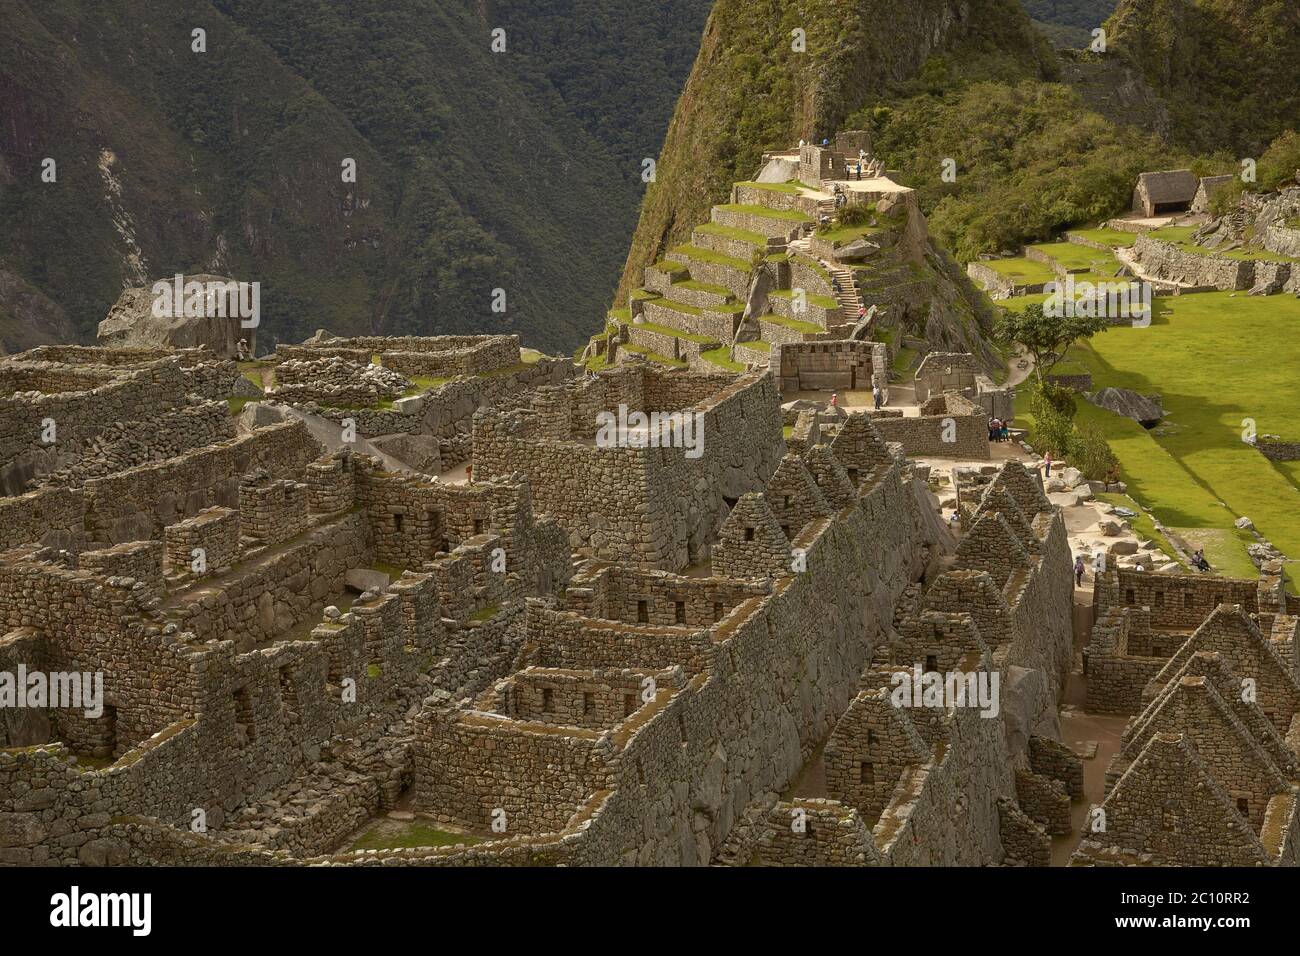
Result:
1069,23
475,170
750,90
1227,71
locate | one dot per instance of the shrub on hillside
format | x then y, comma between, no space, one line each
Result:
1092,454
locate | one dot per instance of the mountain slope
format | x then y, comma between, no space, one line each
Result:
750,91
474,173
1225,70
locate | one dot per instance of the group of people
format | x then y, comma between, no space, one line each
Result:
999,430
1198,560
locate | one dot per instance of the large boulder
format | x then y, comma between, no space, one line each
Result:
1122,401
146,316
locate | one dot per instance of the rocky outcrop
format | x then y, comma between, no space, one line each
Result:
135,321
1122,401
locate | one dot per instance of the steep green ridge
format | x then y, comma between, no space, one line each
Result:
473,171
1224,70
1031,160
750,91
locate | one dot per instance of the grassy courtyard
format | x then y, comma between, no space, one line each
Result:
1217,360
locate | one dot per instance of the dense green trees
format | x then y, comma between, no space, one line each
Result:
476,170
1031,159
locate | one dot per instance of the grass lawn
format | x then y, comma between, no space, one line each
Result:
1114,238
1021,271
721,358
1217,360
1074,256
394,835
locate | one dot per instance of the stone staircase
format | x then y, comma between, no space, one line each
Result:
847,296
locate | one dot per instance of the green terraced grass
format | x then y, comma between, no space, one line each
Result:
721,358
814,265
654,356
1111,237
732,233
675,333
703,287
902,360
842,235
784,215
821,301
1074,256
683,307
1216,359
758,345
796,325
696,254
1019,303
671,266
792,188
389,836
1021,271
1181,236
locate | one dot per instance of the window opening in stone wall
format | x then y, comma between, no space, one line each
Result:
245,733
288,695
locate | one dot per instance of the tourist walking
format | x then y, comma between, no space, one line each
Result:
1078,571
1047,465
878,395
835,399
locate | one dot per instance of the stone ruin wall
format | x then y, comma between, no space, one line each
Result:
597,494
941,415
81,403
698,736
1174,600
1277,450
140,502
125,445
829,365
433,356
1166,261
